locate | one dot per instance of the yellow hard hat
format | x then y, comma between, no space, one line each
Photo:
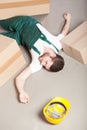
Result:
56,110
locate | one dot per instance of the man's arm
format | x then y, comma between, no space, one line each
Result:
20,81
66,27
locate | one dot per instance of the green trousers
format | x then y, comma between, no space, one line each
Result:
21,28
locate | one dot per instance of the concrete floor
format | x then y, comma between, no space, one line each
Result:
70,83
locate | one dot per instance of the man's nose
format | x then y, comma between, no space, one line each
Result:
43,63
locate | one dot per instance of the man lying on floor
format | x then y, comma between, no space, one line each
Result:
43,46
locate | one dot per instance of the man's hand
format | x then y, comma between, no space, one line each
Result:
67,16
23,97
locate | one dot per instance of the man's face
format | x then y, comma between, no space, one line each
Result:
46,60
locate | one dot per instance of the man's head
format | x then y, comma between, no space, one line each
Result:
53,64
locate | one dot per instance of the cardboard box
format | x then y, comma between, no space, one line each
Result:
75,43
11,8
11,59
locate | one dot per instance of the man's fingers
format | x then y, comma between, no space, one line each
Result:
24,98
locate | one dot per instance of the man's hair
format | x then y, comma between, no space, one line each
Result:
58,64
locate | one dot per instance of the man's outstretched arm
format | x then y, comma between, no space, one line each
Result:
20,82
67,17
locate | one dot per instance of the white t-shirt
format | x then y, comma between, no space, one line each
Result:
40,44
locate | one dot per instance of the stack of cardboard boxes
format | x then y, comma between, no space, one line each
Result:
11,58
